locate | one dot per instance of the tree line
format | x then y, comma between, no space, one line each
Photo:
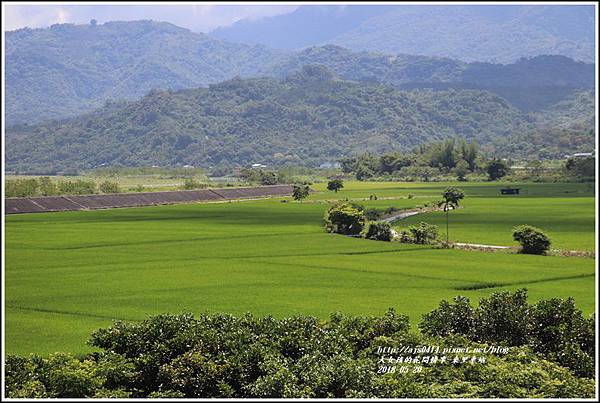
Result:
458,159
454,157
45,186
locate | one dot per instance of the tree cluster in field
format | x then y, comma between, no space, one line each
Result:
352,219
572,169
459,160
44,186
263,176
551,354
554,328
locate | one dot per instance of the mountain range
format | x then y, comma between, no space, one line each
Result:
310,117
152,93
488,33
67,69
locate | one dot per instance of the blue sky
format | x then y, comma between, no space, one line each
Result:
200,17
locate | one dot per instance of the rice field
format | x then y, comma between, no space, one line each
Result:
70,273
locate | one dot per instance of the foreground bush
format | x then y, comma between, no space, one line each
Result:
553,328
218,355
533,240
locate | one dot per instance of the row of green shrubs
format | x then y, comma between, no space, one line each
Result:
218,355
44,186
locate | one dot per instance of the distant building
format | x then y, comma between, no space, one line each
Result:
330,165
258,166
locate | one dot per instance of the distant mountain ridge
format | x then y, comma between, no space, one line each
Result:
530,83
67,69
307,118
485,33
70,69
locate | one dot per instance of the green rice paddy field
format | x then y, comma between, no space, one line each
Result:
70,273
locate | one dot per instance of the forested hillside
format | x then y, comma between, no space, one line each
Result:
70,69
530,84
577,111
308,118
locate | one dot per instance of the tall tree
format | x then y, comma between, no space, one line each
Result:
450,200
469,152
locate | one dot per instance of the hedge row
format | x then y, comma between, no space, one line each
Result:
217,355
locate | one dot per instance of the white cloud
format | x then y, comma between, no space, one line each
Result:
196,17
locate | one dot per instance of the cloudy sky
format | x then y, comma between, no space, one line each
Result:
200,17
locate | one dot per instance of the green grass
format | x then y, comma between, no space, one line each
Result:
564,211
70,273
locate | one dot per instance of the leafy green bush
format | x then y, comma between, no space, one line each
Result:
420,234
300,192
47,187
345,218
21,187
76,187
44,186
448,319
497,169
390,210
335,185
553,328
109,187
373,214
560,332
191,183
533,240
379,231
502,317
